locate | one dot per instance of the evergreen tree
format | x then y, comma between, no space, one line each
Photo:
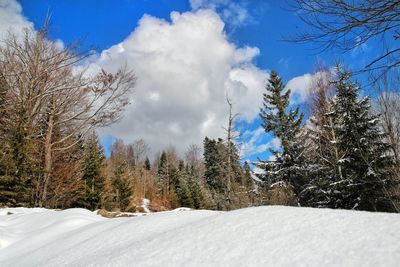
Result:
325,156
164,172
130,157
195,190
122,186
214,168
182,189
284,123
367,158
92,176
224,174
147,164
163,165
247,179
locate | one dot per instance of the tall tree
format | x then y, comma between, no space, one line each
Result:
367,159
55,104
284,123
320,136
93,178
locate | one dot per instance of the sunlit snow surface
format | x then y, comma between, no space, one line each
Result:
262,236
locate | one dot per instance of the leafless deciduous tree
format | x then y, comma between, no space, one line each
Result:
194,159
59,102
141,149
387,105
348,24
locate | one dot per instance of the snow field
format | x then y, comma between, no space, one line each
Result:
259,236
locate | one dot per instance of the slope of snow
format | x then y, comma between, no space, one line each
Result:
262,236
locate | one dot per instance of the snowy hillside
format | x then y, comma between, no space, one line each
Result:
262,236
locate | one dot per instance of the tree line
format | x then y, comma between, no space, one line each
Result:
50,107
345,155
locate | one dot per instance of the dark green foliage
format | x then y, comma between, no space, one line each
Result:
195,191
224,175
147,164
352,159
21,163
366,160
183,192
92,178
213,159
122,186
283,123
247,180
8,194
163,166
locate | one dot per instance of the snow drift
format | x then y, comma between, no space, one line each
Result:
262,236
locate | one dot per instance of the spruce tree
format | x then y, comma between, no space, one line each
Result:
92,174
182,188
367,158
164,172
214,169
195,189
147,164
223,173
122,186
283,123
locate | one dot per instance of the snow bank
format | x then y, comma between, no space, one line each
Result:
262,236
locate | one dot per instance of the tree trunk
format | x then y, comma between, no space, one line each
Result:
48,154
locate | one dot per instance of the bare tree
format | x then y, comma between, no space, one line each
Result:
60,102
347,24
194,159
141,149
231,137
387,105
323,132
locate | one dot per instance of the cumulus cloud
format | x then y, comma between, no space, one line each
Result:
232,12
300,87
185,69
255,144
11,18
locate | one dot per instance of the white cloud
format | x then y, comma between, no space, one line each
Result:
246,54
254,144
185,68
300,87
11,18
232,12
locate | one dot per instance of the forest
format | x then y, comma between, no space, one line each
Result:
344,155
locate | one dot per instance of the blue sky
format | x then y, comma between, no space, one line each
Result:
103,23
250,45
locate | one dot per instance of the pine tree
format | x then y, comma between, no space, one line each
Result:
284,123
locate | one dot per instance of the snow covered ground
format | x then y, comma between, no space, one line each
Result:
262,236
